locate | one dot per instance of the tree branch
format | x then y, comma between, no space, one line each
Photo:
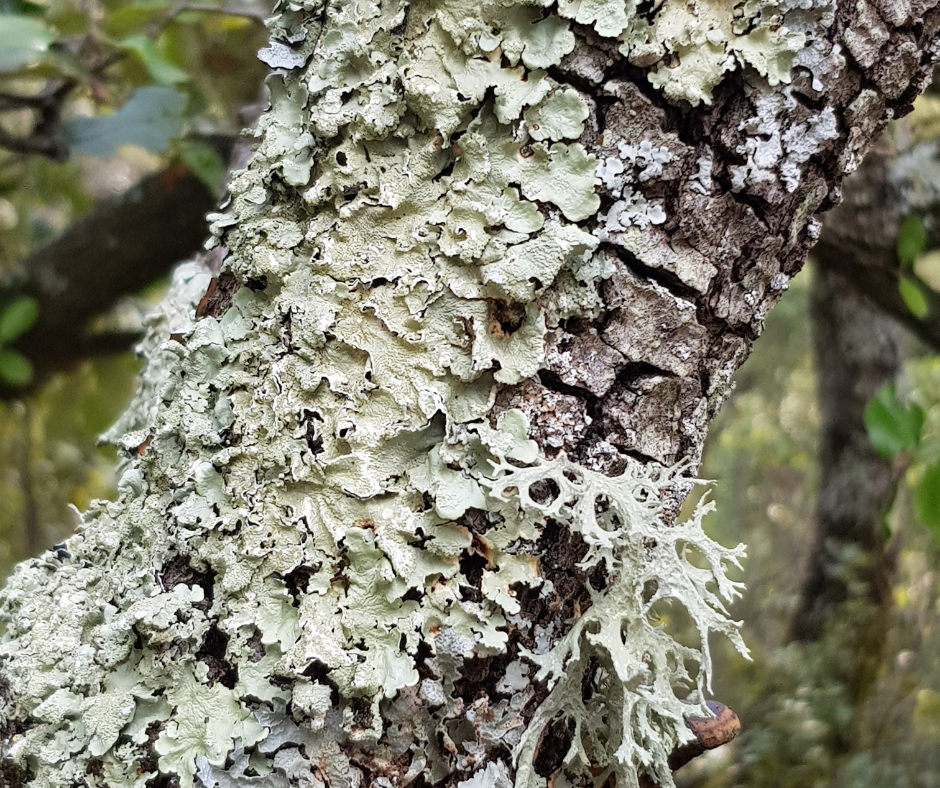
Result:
45,138
117,249
710,733
858,242
284,459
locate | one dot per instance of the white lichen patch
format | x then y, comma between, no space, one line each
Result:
631,662
774,154
635,164
320,531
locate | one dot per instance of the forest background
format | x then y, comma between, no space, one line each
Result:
140,101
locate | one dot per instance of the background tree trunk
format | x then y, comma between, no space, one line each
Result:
847,595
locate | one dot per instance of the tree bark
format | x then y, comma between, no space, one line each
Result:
399,510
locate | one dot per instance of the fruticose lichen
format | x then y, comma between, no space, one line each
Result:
323,531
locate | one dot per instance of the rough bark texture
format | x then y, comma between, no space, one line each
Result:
401,513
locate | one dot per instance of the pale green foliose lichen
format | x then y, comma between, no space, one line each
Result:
283,581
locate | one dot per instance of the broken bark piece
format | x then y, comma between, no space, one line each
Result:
709,733
218,297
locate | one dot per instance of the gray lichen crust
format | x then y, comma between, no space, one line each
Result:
336,558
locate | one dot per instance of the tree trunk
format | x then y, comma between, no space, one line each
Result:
848,591
399,502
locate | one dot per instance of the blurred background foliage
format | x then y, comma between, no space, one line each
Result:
809,718
763,451
119,90
94,96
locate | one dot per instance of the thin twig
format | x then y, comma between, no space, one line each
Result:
45,138
11,101
34,144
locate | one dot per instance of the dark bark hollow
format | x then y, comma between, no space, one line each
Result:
399,509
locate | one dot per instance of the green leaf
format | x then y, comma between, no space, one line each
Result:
163,71
131,17
17,318
205,162
21,7
927,269
892,426
151,118
69,19
15,368
912,240
23,40
914,298
927,497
